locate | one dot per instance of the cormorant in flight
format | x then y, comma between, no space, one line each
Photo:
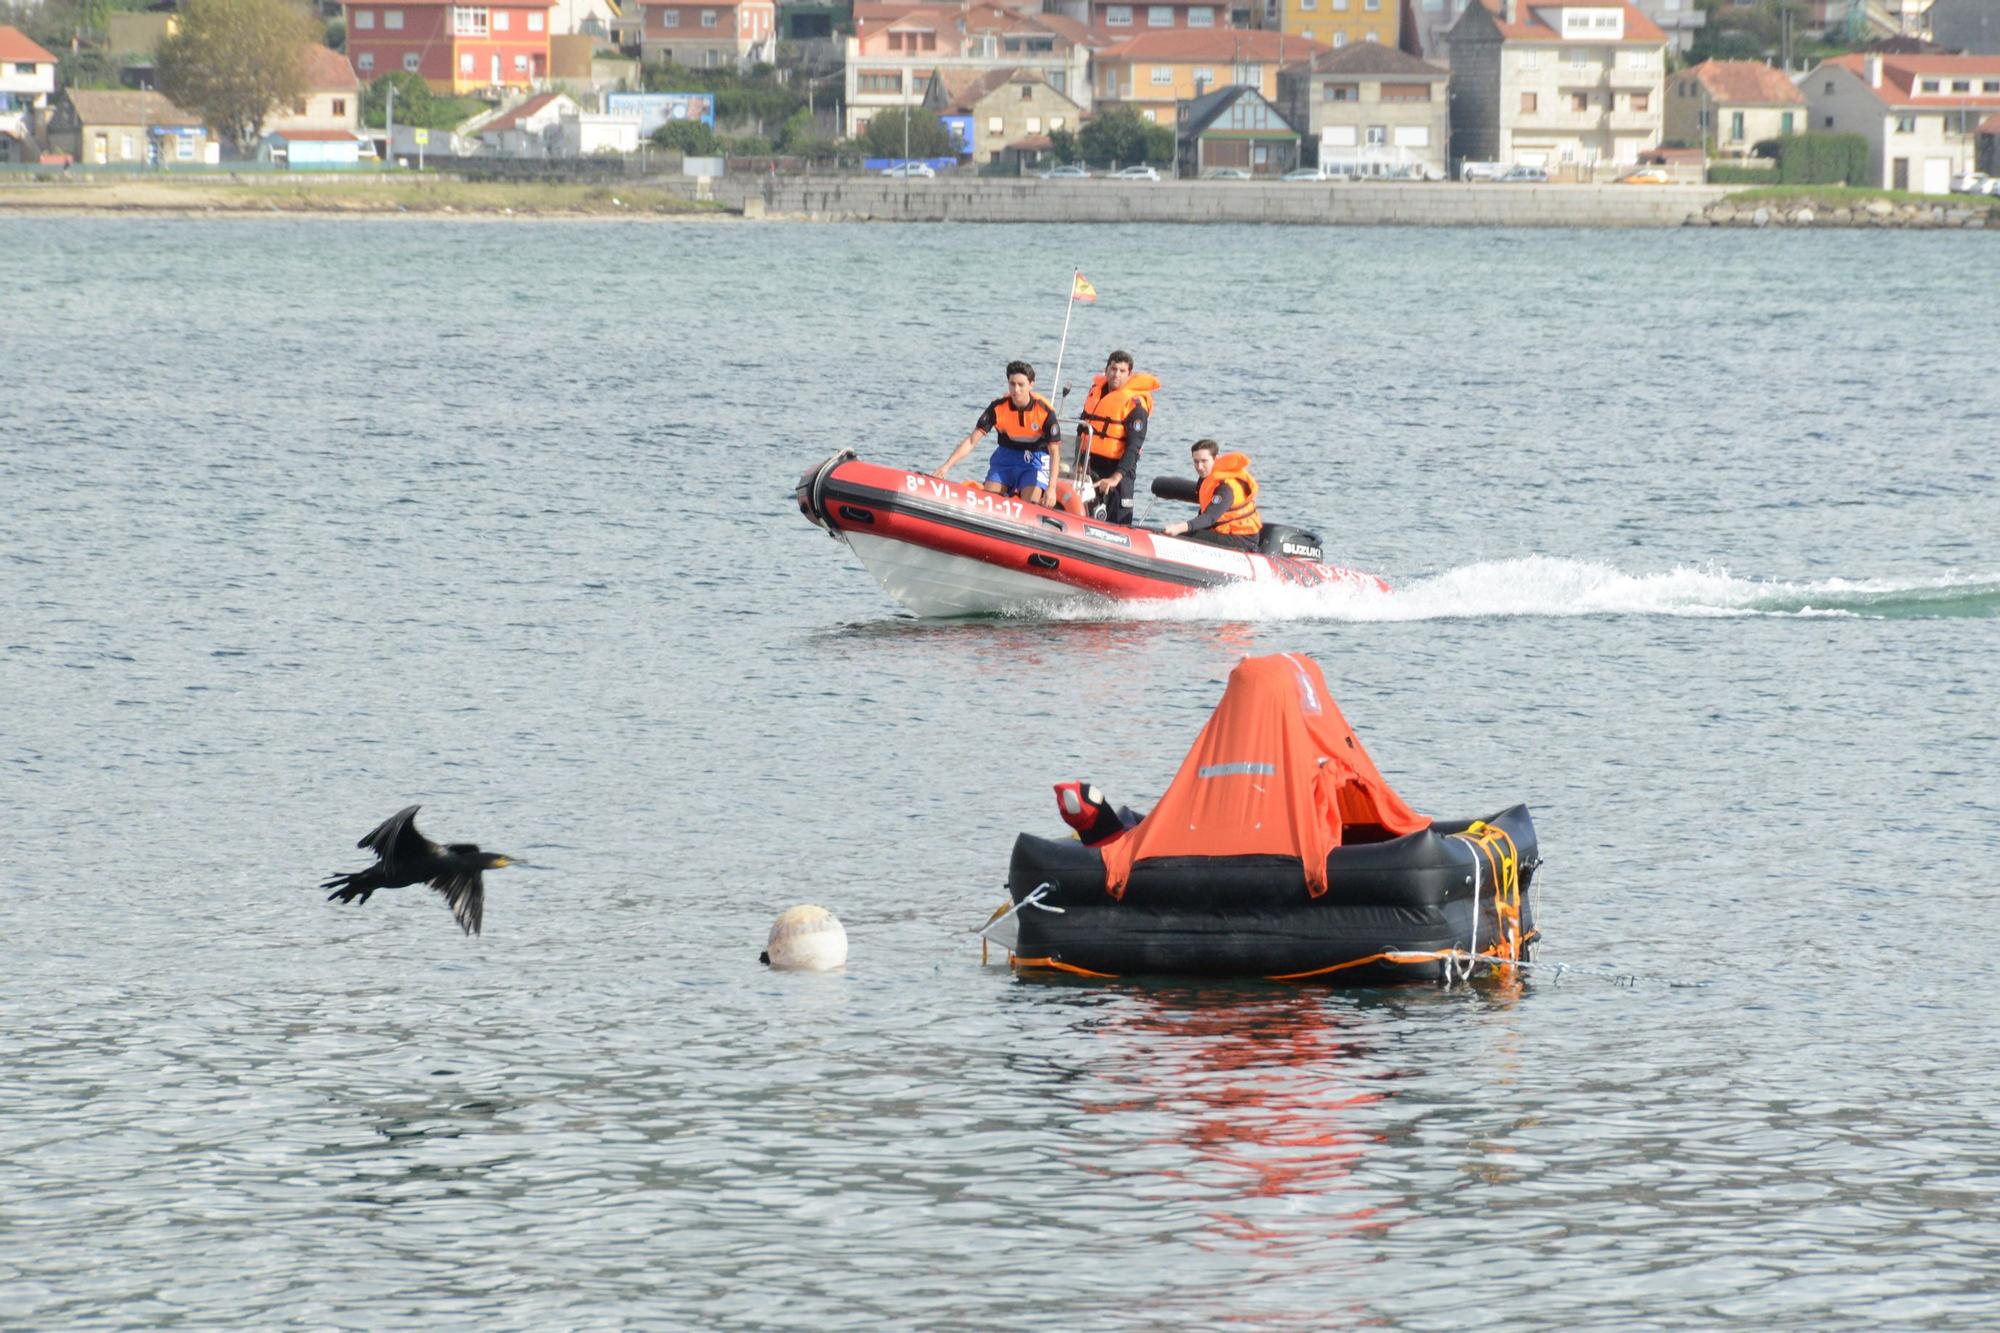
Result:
404,856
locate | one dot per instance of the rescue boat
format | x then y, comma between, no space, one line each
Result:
947,548
1278,851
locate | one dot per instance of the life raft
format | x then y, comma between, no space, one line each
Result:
1278,851
947,548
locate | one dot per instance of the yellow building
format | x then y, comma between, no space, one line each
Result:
1340,22
1156,70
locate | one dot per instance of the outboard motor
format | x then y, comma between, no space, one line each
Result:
1293,543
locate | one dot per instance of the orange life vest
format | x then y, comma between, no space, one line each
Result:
1233,471
1105,412
1023,427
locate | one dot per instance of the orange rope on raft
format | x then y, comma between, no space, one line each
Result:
1060,966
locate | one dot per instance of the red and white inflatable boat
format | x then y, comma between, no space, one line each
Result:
947,548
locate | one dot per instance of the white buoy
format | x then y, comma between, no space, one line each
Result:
806,938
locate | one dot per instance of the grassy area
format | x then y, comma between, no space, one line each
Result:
1852,196
360,194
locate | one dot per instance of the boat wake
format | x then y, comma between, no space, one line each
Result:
1545,586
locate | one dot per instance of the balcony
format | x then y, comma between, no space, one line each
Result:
1635,78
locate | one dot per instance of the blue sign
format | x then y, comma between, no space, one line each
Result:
656,109
961,131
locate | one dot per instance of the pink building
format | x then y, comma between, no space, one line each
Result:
457,48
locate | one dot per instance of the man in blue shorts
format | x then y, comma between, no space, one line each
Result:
1028,438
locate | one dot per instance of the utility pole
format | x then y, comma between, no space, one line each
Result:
390,144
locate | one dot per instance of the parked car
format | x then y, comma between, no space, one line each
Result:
1303,174
1069,171
1482,171
1520,174
907,169
1136,173
1225,174
1971,182
1647,176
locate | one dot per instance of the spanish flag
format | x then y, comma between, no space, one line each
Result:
1082,291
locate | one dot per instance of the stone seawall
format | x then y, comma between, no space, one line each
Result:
1301,203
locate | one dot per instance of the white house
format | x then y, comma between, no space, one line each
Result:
1920,113
27,82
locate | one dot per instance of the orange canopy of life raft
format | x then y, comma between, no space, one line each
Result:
1276,772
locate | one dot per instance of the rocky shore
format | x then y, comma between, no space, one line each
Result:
1878,213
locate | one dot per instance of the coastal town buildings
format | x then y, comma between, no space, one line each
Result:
1372,110
1923,115
456,48
27,82
1236,128
1732,105
1568,87
898,49
331,99
1012,112
1117,21
1154,71
722,34
1341,22
1680,20
126,128
1969,27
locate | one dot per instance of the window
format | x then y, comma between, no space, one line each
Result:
1961,85
1371,4
708,18
1378,135
1371,36
1309,34
1990,86
1162,75
340,106
1340,6
1406,92
1578,58
1204,76
1201,16
184,147
299,107
1579,101
1055,122
1034,124
1159,16
520,64
468,22
365,61
535,22
411,60
1528,101
1027,92
1829,85
1828,122
1341,92
1307,6
1118,16
1250,76
1736,127
364,20
879,81
1152,116
125,146
1531,60
392,19
1785,123
1413,136
1642,101
464,62
671,18
1930,85
1340,136
1339,39
1906,124
500,18
996,124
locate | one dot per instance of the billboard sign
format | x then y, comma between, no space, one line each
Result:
656,109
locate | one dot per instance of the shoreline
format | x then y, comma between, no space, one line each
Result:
989,200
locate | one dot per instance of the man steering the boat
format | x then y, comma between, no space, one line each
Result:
1028,438
1112,429
1228,500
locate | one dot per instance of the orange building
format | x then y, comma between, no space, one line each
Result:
1155,70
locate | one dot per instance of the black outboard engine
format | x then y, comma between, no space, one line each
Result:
1293,543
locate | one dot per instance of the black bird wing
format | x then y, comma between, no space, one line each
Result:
465,893
396,838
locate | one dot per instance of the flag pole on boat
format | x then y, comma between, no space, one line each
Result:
1079,289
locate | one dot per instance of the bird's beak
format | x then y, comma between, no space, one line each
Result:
500,861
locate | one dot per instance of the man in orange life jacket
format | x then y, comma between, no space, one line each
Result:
1028,436
1228,499
1112,429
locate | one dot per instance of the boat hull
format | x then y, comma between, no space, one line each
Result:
1392,908
944,548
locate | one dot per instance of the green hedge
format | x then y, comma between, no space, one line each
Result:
1722,174
1821,159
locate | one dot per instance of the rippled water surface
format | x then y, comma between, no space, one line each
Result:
1693,549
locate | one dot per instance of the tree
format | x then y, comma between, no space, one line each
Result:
691,137
1062,146
928,136
413,100
233,62
1121,134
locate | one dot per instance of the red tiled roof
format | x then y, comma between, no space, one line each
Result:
1359,58
327,71
15,45
1222,45
1747,81
1638,28
1900,75
1033,143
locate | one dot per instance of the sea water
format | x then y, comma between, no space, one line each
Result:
1693,544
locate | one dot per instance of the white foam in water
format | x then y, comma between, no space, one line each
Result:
1544,586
